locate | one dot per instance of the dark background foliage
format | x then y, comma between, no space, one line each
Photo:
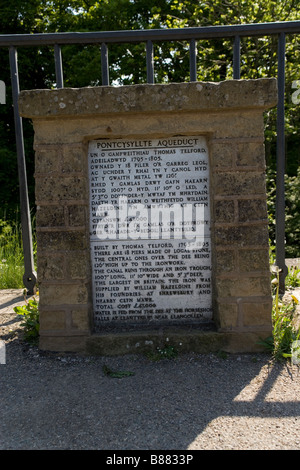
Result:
82,67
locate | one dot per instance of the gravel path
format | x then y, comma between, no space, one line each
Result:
56,401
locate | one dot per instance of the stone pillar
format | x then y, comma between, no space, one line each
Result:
63,247
230,117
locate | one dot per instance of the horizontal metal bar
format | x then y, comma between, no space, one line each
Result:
206,32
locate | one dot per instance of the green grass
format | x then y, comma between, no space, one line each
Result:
167,352
293,277
284,331
11,256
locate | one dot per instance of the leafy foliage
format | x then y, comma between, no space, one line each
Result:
82,67
292,219
284,319
30,314
284,332
167,352
116,374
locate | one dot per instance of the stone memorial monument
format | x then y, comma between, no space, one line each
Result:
151,216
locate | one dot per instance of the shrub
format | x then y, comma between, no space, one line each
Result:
284,332
30,314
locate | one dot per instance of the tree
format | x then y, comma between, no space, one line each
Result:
82,64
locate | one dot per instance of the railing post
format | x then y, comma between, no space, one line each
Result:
280,190
104,64
29,277
150,62
193,60
58,66
237,58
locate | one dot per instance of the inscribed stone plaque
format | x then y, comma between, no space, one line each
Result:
150,231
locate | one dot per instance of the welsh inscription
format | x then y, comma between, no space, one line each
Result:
150,230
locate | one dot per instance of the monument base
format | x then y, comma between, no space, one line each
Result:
107,161
184,340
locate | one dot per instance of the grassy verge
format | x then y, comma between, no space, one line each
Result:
11,255
285,334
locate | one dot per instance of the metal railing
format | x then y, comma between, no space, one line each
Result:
149,37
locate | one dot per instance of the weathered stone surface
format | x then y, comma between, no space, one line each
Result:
228,315
63,294
51,267
48,159
239,236
141,342
54,320
225,261
229,94
250,154
63,343
252,210
239,183
52,189
78,265
223,153
256,313
244,286
77,215
224,211
253,260
64,240
80,319
72,159
50,216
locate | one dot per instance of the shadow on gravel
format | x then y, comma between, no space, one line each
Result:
52,401
13,302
